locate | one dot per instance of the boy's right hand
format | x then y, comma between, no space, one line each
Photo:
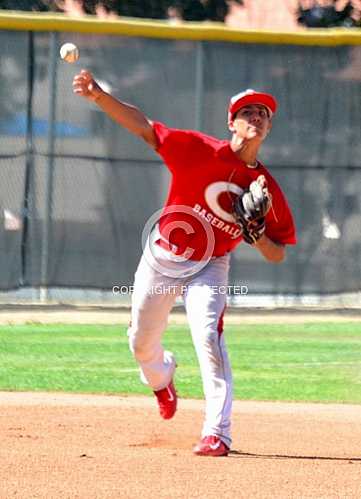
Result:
85,86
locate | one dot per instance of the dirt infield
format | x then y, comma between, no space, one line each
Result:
57,446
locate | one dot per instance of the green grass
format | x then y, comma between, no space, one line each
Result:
319,362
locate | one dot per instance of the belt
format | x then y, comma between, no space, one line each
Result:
172,248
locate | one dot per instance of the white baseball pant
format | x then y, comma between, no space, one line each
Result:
205,299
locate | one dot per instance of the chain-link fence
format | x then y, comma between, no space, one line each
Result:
76,189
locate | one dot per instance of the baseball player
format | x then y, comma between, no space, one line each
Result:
220,195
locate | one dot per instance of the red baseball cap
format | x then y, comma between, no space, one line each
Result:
251,97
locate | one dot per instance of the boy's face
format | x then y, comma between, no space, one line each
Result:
251,122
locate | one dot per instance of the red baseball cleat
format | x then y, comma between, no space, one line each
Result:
167,401
211,446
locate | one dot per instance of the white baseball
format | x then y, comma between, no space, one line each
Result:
69,52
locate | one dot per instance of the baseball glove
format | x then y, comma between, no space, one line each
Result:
254,231
250,209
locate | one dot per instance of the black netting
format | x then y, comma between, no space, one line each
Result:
327,207
76,189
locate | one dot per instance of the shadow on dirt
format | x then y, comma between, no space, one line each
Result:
240,454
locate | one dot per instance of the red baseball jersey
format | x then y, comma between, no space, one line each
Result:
206,177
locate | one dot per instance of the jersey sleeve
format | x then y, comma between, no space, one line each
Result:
173,145
280,226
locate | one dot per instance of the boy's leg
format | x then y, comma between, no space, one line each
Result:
152,300
205,301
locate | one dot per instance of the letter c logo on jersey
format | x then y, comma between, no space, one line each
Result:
212,194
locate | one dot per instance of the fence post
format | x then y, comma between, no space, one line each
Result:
29,159
49,173
199,86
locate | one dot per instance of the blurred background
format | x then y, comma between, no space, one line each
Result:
256,14
76,189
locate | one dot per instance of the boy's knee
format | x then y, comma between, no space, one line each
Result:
141,345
